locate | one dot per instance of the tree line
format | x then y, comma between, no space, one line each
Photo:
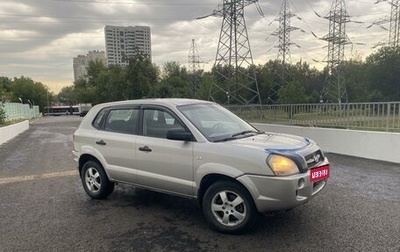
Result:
25,90
377,79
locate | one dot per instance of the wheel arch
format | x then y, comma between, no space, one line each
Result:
210,179
84,159
88,153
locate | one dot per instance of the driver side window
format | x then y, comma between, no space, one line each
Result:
157,122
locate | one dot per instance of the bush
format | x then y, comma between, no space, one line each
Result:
2,115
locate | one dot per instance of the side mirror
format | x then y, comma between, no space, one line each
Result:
179,134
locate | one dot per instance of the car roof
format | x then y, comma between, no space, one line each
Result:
156,101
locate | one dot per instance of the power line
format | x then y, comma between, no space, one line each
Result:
95,18
394,24
133,3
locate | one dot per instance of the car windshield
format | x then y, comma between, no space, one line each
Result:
217,123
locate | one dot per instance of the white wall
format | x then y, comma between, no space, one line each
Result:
365,144
8,132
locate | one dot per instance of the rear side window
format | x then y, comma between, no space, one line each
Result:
99,118
122,120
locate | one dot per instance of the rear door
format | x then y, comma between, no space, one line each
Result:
163,164
116,141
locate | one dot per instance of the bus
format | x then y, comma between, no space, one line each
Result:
58,110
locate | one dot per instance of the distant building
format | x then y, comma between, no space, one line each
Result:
123,42
81,62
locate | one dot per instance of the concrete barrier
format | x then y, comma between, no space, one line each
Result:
381,146
11,131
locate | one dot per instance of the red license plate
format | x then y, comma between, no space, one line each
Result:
319,173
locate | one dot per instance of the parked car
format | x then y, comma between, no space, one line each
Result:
200,150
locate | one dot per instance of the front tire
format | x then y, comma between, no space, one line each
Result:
229,207
95,181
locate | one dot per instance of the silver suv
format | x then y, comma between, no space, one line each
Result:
200,150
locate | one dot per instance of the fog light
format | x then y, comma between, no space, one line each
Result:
301,183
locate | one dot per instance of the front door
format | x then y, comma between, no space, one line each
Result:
162,164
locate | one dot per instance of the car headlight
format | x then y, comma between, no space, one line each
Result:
282,166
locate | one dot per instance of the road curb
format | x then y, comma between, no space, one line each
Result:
9,132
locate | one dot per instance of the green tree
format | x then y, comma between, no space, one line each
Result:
293,93
224,86
2,114
67,96
114,82
5,89
141,77
383,74
175,87
171,69
204,87
357,85
28,91
174,82
84,93
310,78
94,70
110,85
265,80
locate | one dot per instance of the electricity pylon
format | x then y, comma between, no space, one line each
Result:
334,89
394,23
394,31
194,66
284,57
232,82
194,60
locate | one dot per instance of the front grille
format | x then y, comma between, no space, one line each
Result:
314,158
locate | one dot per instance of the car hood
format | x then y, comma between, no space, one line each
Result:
273,142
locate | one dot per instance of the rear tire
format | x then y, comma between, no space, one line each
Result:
229,208
95,181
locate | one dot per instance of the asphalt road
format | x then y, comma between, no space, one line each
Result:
43,207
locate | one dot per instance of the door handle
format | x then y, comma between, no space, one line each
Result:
145,149
101,142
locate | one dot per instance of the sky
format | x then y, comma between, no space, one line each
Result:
40,38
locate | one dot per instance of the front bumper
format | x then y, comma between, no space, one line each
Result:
76,156
280,193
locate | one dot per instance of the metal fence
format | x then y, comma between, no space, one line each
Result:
382,116
378,116
19,111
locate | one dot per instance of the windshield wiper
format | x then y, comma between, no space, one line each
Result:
234,136
246,132
224,139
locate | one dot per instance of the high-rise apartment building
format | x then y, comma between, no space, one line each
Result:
123,42
81,62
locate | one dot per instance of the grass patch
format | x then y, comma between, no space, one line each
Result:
7,123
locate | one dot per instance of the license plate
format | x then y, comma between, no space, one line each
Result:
319,173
